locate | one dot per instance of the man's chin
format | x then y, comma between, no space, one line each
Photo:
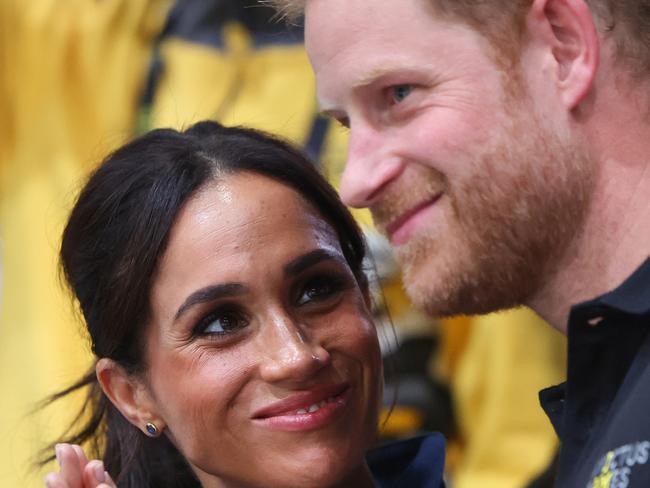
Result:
427,285
444,302
446,289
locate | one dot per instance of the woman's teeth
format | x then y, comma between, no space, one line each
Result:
314,407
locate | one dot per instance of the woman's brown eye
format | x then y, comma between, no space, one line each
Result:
319,289
221,323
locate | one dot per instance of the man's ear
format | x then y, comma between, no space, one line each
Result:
567,30
129,395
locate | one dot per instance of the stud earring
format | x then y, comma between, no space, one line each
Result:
152,430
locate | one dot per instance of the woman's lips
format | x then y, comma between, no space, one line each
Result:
305,410
399,230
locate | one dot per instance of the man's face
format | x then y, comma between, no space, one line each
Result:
479,189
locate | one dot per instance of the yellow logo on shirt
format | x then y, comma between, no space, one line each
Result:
615,468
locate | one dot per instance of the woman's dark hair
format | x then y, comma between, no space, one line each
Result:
111,246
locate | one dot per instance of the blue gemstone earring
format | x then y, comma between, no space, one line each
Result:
152,430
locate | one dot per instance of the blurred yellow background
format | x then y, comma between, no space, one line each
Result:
80,77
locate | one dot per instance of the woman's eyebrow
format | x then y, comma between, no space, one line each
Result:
213,292
310,259
208,294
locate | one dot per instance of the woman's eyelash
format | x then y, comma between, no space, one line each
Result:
227,320
231,321
321,287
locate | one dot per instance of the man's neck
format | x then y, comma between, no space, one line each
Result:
615,238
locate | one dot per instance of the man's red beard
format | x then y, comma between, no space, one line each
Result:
502,230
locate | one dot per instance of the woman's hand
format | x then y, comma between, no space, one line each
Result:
76,471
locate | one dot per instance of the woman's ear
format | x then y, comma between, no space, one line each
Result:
567,32
129,395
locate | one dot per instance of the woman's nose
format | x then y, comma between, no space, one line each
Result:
289,355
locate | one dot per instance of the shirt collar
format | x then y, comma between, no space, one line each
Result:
629,302
417,462
631,298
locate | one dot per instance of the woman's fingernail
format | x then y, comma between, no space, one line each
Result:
78,451
47,480
99,471
109,480
57,453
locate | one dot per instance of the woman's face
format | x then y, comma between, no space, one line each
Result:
263,362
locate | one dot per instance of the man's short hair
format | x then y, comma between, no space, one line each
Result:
502,23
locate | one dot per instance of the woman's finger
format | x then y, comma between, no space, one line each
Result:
54,480
81,456
109,482
70,466
95,476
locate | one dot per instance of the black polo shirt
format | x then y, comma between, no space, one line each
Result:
602,412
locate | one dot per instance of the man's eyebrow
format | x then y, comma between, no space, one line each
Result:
208,294
310,259
389,69
373,76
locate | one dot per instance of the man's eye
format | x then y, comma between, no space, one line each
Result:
221,323
320,289
399,92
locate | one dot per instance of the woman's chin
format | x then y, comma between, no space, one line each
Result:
319,466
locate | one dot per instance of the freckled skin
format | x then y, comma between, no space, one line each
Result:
244,229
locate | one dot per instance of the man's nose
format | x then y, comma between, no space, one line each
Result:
370,167
289,354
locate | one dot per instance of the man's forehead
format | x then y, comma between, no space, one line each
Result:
335,27
331,23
